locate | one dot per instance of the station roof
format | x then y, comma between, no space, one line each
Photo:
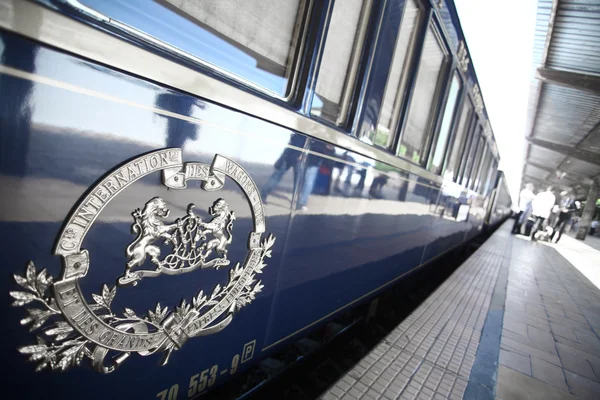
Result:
563,139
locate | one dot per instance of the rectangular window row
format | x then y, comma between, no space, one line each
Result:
424,114
439,128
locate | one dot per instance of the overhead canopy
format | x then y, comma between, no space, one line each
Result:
563,142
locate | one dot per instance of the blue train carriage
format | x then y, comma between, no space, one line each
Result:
500,204
188,187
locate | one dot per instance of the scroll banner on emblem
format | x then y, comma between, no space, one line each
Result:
214,178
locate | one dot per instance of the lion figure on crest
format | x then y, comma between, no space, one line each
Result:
149,227
219,227
188,236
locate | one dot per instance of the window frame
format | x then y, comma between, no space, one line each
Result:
471,134
452,72
482,167
432,21
467,166
465,101
368,22
492,176
402,98
484,179
479,153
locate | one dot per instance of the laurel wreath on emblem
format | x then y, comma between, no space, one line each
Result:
70,329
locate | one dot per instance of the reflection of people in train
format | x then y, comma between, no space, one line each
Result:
375,191
462,199
290,158
362,173
341,166
425,190
323,182
313,163
403,190
179,130
351,168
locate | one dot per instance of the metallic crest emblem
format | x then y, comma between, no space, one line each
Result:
70,329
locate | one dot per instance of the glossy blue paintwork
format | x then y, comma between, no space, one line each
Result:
57,143
356,236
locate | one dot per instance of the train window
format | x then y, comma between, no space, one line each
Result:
485,176
340,59
471,137
256,40
441,143
476,163
396,82
468,165
482,169
459,140
413,141
490,177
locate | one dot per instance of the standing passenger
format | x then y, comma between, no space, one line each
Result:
524,218
568,207
525,198
541,205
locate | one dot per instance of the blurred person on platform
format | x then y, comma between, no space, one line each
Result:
541,207
567,208
525,198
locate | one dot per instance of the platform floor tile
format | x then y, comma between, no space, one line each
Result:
550,345
542,332
431,353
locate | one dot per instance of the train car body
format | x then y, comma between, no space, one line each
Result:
171,216
500,202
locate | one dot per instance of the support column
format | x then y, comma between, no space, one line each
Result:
588,212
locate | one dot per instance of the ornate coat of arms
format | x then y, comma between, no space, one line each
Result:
71,330
187,235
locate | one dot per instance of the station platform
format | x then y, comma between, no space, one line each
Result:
517,320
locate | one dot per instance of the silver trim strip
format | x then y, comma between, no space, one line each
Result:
57,30
83,8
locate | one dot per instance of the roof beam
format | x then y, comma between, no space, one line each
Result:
542,184
573,80
583,155
585,179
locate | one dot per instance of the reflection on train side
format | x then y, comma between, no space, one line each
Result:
351,178
346,225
